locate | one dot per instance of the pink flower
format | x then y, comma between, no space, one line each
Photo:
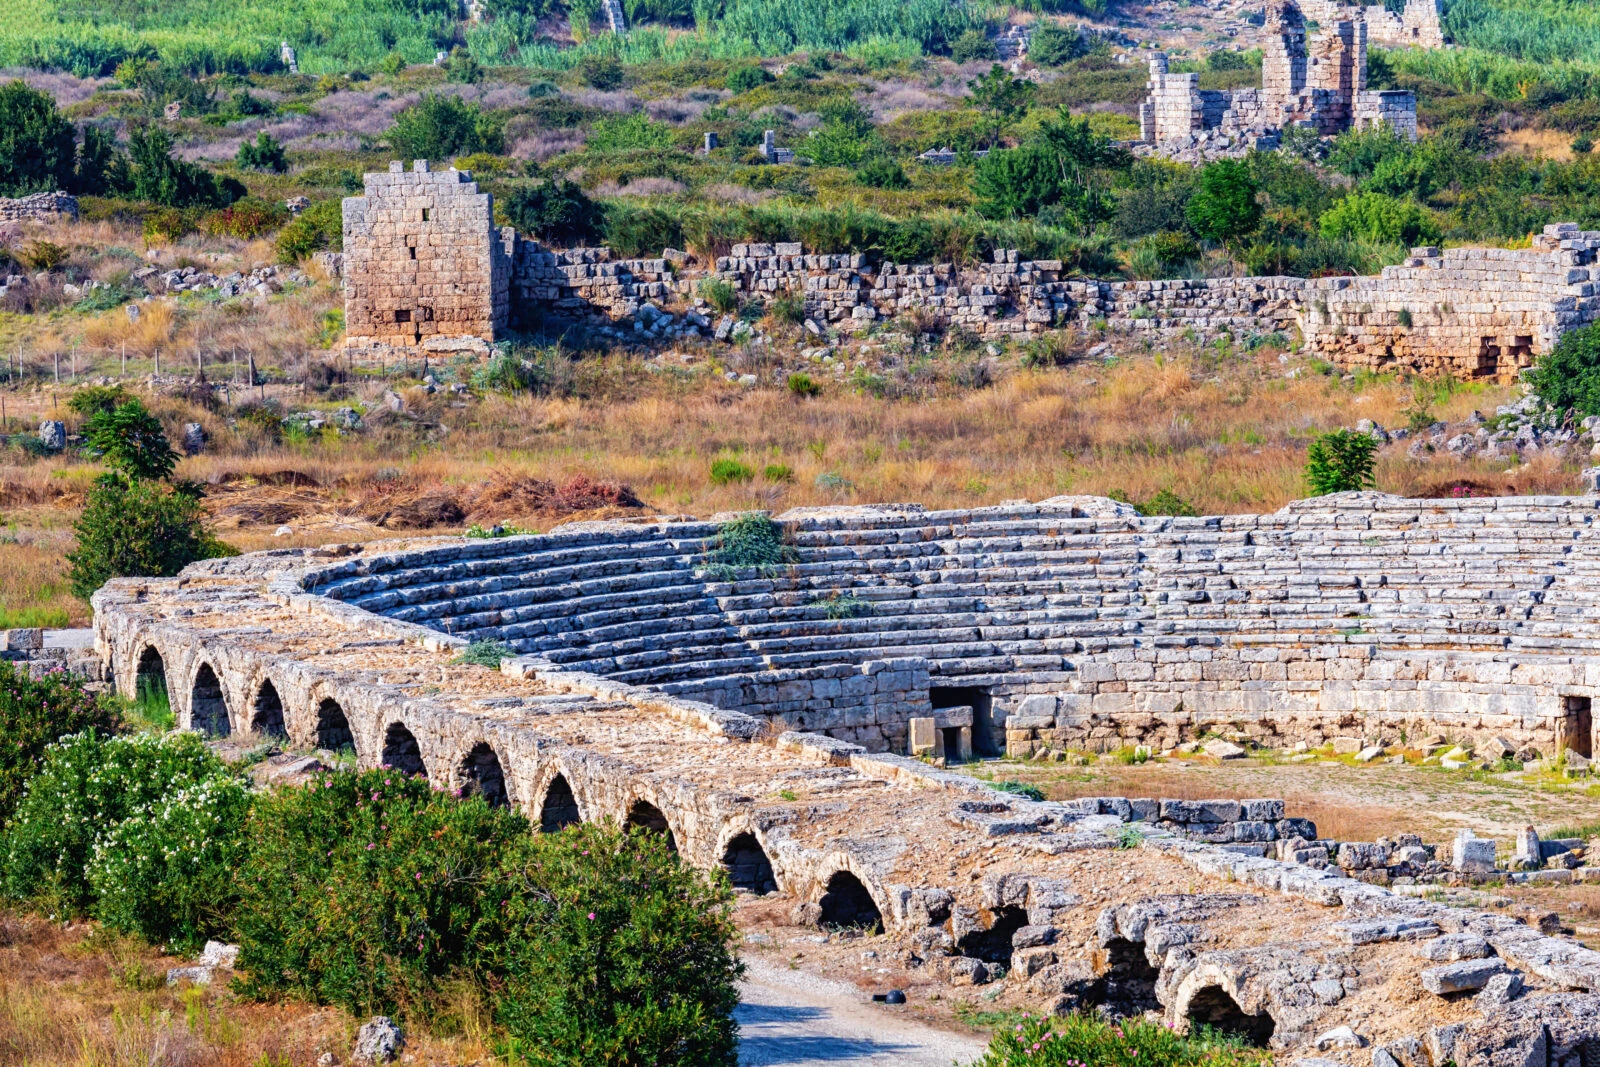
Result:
591,916
370,846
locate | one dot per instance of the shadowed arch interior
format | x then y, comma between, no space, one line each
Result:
560,809
482,776
266,716
747,865
1129,981
646,816
846,902
1213,1007
333,729
208,711
993,945
151,676
401,751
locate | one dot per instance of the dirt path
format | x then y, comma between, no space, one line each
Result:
795,1019
1347,802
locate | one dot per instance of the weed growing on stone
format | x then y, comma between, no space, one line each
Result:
485,654
1020,789
751,540
837,605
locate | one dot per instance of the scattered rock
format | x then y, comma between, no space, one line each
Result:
53,435
378,1041
1500,990
1221,749
194,439
1340,1037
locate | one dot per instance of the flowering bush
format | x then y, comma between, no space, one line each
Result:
169,873
33,713
366,890
89,784
1082,1040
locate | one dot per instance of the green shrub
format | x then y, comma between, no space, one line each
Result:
1224,207
751,540
1341,462
778,472
264,153
601,72
92,399
317,228
788,307
881,172
1380,218
1166,502
1582,145
621,133
367,890
486,653
136,528
557,210
37,145
972,45
130,439
1020,789
1052,45
1073,1040
169,874
33,713
154,175
1568,376
803,384
726,471
248,219
750,76
88,785
623,958
442,127
43,255
837,605
720,295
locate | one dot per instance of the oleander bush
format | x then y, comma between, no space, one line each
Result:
34,712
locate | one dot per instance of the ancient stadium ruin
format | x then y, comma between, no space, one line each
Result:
769,733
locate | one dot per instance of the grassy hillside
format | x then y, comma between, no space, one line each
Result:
1543,31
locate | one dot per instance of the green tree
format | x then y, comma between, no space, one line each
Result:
1376,217
157,177
1224,207
1000,97
750,76
554,210
1064,166
131,440
1341,462
318,227
131,527
1052,45
37,148
443,127
972,45
264,153
1568,376
100,169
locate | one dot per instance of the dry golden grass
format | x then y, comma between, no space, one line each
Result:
81,998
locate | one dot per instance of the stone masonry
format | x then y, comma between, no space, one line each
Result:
1417,26
424,267
1352,613
38,206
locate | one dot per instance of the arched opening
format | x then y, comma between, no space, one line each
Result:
401,751
1213,1007
747,865
560,808
846,902
646,816
266,717
208,712
150,688
482,776
333,729
1129,980
993,945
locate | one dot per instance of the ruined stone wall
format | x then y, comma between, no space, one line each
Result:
1483,313
424,269
38,206
1418,26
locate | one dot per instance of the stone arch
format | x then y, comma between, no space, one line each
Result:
1212,1006
643,815
748,866
333,727
560,807
846,902
151,674
401,751
1129,980
208,708
266,712
483,776
993,943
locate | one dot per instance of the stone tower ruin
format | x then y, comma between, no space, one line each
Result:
425,269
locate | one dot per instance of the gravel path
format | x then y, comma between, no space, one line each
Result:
795,1019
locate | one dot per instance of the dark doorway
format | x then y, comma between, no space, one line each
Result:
208,712
333,729
150,682
482,776
984,739
951,736
1579,726
560,808
846,902
267,719
748,866
646,816
1129,980
1214,1008
994,944
400,751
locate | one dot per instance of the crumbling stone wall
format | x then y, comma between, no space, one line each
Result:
424,268
1417,26
38,206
